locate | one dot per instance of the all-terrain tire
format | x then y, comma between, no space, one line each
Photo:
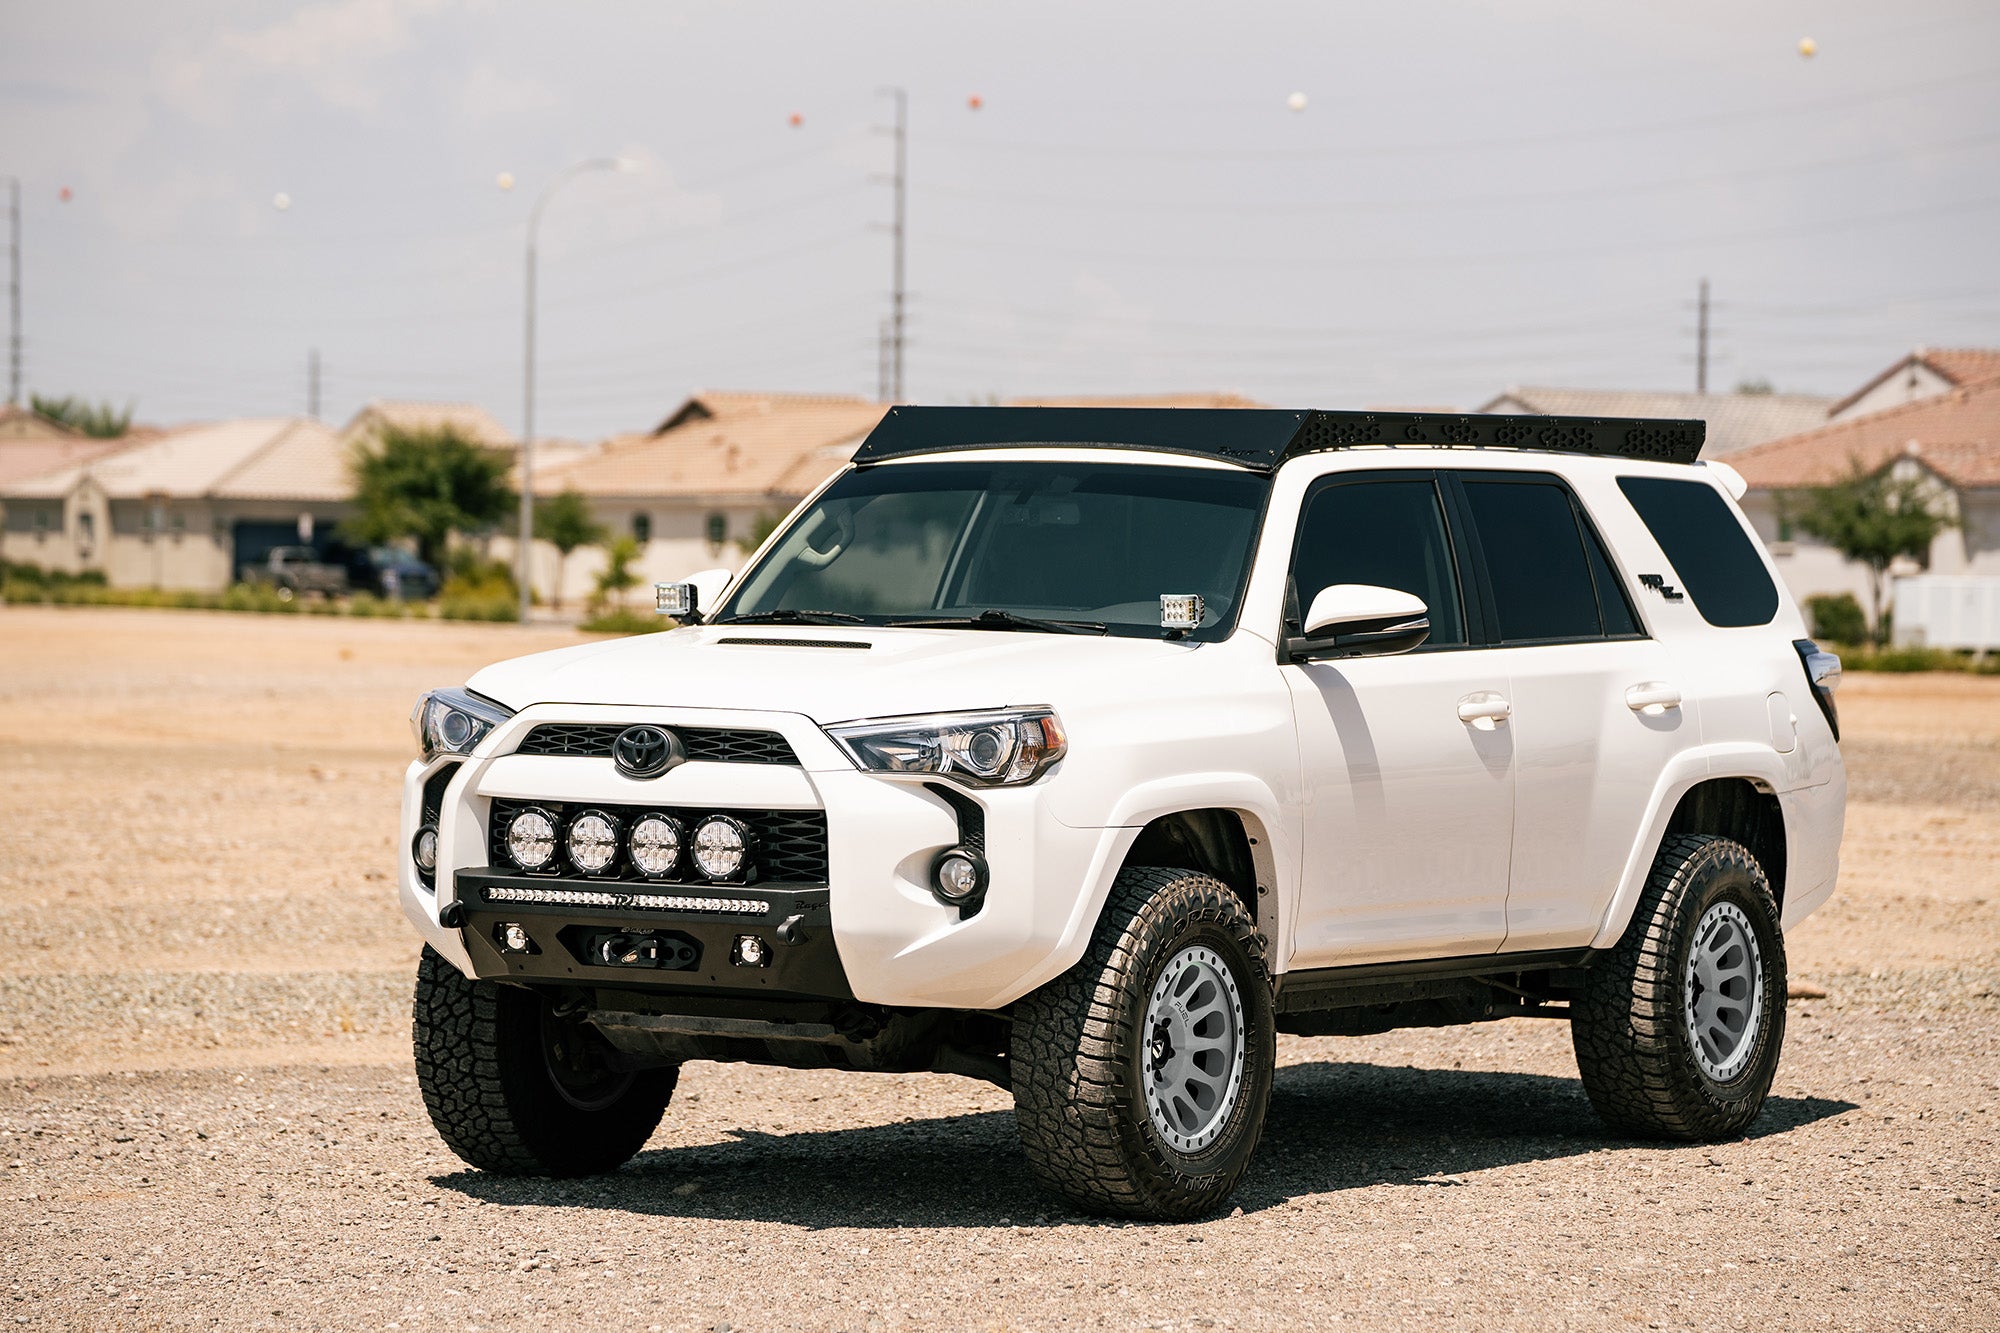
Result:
487,1056
1079,1052
1636,1043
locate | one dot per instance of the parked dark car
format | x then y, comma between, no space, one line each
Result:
389,572
296,570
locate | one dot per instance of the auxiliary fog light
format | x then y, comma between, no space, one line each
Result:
593,842
424,851
514,937
958,875
750,952
656,845
531,840
721,847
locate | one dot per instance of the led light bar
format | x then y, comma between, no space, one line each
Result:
657,902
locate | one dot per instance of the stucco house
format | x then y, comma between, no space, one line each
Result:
186,510
1950,440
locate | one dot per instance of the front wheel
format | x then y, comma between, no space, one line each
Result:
1678,1029
515,1090
1141,1076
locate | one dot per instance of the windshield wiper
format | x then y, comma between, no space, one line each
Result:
787,616
1002,620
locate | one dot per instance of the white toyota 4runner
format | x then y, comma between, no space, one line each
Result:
1084,750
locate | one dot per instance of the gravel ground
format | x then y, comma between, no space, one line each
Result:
207,1115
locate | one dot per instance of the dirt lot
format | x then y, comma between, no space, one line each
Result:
207,1114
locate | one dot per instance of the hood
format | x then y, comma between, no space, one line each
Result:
869,672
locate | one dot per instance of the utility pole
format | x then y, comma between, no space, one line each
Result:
14,289
882,362
902,97
1701,343
312,383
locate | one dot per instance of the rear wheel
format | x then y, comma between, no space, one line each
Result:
1141,1075
1679,1027
514,1089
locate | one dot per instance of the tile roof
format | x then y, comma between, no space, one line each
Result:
1735,420
1138,400
1955,365
21,459
1956,434
23,423
741,445
468,419
288,458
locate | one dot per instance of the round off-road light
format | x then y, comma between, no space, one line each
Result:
592,842
957,875
531,840
655,845
424,851
514,937
721,847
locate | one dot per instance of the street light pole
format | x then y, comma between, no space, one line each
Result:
13,289
526,539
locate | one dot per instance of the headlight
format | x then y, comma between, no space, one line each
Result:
453,721
979,749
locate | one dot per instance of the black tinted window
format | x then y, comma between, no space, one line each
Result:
1386,533
1718,565
1611,600
1535,561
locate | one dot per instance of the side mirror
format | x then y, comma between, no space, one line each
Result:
684,600
1361,620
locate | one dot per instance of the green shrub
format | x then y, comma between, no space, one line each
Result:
256,597
490,604
368,605
1837,618
623,621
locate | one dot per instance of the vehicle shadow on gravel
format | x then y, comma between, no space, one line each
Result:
1332,1126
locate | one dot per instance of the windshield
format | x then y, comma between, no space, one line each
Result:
1090,544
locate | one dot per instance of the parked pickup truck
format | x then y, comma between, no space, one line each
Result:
1086,750
294,570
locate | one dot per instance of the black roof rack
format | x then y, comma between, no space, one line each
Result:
1262,438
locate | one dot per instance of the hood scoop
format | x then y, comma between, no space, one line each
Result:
762,642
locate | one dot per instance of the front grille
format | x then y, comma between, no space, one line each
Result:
709,745
787,846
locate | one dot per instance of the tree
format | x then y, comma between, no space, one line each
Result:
761,528
427,484
1871,518
618,576
1756,388
564,522
100,421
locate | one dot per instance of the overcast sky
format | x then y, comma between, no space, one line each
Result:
1474,196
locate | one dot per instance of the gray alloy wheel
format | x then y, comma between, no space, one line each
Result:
1723,991
1192,1064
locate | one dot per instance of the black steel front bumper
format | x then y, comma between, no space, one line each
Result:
684,952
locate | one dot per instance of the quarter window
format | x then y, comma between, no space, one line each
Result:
1387,533
1718,565
1534,560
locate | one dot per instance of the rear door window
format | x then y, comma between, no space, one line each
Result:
1717,563
1535,560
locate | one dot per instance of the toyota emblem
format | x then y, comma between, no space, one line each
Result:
646,752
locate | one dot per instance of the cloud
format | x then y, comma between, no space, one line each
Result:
333,49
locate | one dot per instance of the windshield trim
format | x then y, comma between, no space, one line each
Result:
1220,631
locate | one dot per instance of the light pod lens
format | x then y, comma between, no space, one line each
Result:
593,842
721,847
958,875
656,845
531,840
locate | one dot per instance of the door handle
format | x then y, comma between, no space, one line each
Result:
1484,709
1652,698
